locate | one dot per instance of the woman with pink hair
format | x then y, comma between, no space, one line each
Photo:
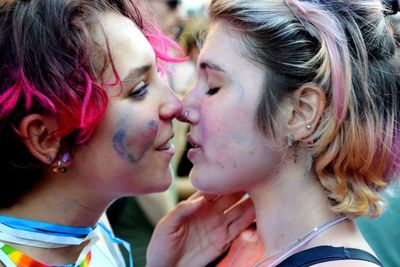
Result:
85,119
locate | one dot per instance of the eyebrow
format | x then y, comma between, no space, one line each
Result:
209,65
135,73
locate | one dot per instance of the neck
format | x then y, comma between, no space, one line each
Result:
57,200
288,206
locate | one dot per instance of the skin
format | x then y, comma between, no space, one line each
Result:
125,155
120,139
232,155
138,119
128,154
223,122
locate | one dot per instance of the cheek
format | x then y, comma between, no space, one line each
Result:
133,138
226,145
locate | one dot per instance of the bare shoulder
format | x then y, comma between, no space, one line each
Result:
346,263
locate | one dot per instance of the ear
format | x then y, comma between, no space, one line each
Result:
38,135
306,109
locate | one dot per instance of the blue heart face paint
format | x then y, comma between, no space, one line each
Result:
129,152
118,144
132,144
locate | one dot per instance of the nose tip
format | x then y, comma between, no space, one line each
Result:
172,108
179,108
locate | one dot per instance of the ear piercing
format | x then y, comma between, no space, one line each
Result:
309,157
65,158
308,126
292,143
290,139
59,168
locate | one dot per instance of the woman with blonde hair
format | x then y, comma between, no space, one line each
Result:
297,104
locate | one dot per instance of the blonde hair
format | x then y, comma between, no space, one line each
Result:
345,48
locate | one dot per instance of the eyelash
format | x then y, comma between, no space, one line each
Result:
140,93
213,91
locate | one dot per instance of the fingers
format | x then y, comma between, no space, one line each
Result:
239,218
195,195
183,210
207,196
222,203
235,219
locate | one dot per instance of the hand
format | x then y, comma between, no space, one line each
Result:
199,230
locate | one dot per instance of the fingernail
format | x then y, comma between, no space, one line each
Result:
197,200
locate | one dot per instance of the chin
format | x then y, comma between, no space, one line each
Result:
204,185
157,187
165,186
212,182
165,181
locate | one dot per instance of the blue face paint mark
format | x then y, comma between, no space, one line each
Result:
119,146
118,142
153,124
125,141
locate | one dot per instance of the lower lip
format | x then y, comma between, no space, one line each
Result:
192,153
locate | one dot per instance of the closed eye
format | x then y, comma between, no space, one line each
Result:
140,92
213,91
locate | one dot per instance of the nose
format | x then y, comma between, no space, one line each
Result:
172,106
190,110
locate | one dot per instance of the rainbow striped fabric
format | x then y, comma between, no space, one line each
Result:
22,260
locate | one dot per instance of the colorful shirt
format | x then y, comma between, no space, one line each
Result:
103,252
22,260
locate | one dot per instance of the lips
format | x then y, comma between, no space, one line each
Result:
166,145
195,151
192,142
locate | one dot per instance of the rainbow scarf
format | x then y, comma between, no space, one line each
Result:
22,260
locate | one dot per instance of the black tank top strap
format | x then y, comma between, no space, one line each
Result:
322,254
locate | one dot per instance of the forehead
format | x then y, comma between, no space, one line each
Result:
127,44
221,47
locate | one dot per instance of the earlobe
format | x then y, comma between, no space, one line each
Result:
306,110
38,136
